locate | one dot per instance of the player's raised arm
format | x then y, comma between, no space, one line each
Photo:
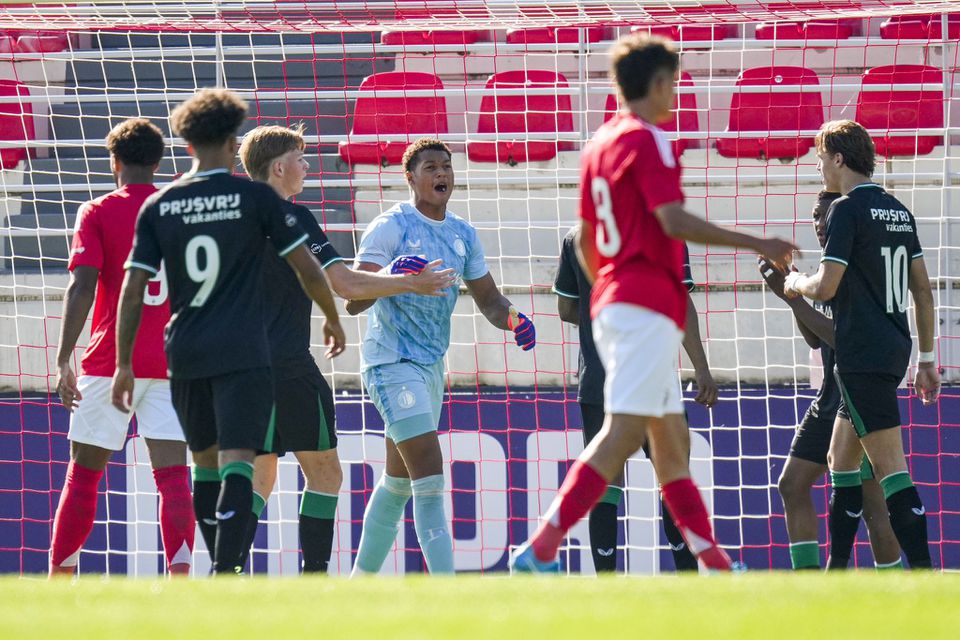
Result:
813,325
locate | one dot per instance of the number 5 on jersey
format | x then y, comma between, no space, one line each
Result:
608,235
205,276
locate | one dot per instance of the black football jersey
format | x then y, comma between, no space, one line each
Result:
827,402
288,307
571,282
209,230
875,237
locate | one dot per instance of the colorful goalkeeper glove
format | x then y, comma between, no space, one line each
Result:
408,265
523,330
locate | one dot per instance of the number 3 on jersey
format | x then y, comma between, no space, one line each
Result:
205,276
897,277
608,236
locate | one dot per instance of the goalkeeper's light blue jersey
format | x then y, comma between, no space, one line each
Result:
409,326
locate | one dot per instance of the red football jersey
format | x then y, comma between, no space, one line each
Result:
627,171
102,239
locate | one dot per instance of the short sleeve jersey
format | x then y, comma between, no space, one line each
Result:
409,326
288,308
102,240
627,171
571,282
875,237
209,230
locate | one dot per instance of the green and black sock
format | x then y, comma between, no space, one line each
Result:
805,555
317,512
256,510
603,530
908,518
233,513
206,492
846,509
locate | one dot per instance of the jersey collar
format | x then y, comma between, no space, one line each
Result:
201,174
866,185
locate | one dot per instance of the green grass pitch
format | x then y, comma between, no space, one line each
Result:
759,605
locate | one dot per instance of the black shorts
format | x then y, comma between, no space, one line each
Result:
233,410
306,419
869,401
593,416
811,442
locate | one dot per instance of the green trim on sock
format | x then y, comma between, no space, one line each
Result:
244,469
846,478
271,428
612,495
323,442
259,502
206,474
866,469
895,482
318,505
893,566
805,555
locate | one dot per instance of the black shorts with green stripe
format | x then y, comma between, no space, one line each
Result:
232,410
869,401
306,419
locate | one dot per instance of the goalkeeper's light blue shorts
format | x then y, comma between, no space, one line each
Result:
407,395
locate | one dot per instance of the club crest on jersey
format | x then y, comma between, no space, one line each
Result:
459,247
406,399
291,220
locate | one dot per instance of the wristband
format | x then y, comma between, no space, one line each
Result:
926,357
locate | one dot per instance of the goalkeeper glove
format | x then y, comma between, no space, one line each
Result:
523,330
408,265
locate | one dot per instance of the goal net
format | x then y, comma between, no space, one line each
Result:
516,88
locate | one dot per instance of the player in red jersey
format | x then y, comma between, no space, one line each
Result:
631,245
101,244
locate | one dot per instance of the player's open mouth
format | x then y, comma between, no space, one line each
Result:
440,188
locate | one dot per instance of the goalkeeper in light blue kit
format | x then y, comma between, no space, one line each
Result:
402,353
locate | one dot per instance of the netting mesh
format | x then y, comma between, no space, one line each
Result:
516,100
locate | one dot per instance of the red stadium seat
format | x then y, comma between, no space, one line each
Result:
7,43
773,111
16,122
519,114
412,38
920,27
411,117
812,30
691,32
552,35
42,42
684,114
887,107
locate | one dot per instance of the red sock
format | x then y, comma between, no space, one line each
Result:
74,519
177,525
581,489
690,515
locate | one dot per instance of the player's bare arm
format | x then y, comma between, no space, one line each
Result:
815,327
351,284
707,391
77,300
128,321
927,380
586,245
355,307
315,284
820,286
678,223
498,311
